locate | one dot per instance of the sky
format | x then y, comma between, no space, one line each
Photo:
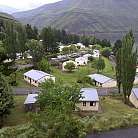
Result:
25,4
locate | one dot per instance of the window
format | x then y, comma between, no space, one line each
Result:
25,76
92,103
35,81
84,103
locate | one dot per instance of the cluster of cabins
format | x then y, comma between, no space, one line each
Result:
89,100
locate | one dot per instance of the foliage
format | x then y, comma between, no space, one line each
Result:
70,66
128,64
6,99
36,50
106,52
117,52
32,33
100,64
44,65
58,102
85,80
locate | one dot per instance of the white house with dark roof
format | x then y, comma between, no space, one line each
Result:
87,56
134,97
102,80
36,77
89,100
30,102
81,61
96,53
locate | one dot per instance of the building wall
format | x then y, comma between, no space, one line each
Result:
36,83
133,99
111,83
81,62
88,107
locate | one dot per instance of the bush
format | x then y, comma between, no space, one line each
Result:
85,80
90,58
106,52
70,66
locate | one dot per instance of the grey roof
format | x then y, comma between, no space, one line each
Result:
100,78
89,94
135,91
31,98
36,74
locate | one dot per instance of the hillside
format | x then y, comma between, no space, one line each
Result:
6,16
99,17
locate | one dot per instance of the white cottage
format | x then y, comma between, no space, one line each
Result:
65,63
87,56
80,45
81,61
134,97
89,100
96,53
104,81
36,77
30,102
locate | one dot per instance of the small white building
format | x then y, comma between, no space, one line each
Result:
8,61
80,45
89,100
87,56
134,97
103,81
61,48
65,63
81,61
96,53
36,77
30,102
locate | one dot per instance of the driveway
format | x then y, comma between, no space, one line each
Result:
121,133
24,91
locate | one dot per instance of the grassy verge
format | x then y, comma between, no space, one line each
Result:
17,116
115,115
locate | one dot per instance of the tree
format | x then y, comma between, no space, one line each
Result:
117,53
106,52
44,65
58,103
128,64
36,50
100,64
6,99
48,35
70,66
66,50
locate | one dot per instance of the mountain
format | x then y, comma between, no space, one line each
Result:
7,9
104,18
6,16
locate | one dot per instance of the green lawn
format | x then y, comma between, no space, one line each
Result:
17,116
71,78
109,70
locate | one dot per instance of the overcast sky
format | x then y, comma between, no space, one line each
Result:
25,4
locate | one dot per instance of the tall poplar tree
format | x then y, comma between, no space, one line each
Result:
128,65
117,51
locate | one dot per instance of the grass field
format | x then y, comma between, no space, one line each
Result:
17,116
71,78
